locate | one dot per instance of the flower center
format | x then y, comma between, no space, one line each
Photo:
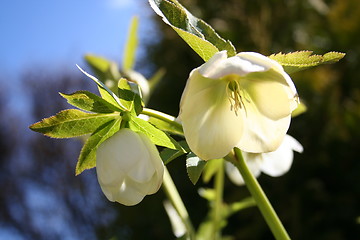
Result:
233,91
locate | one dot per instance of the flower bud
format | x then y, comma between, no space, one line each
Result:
128,167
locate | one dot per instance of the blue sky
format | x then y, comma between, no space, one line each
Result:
55,35
50,33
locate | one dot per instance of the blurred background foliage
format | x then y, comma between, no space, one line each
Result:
317,199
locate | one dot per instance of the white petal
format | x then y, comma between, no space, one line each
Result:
262,134
234,174
259,59
127,194
117,155
128,167
268,103
210,128
143,170
268,64
155,159
279,162
210,67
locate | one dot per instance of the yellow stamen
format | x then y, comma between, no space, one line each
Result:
233,92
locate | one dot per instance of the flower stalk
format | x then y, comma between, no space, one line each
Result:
262,201
219,190
175,199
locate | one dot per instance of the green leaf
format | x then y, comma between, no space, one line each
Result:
157,136
106,71
199,35
167,155
71,123
211,168
194,167
128,98
131,45
105,92
87,158
301,60
90,102
103,68
166,126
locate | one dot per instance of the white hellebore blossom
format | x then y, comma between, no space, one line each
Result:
128,167
273,164
243,101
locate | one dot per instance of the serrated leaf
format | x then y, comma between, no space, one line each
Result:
87,158
201,46
199,35
90,102
71,123
301,60
211,168
105,92
167,155
194,167
131,45
128,98
157,136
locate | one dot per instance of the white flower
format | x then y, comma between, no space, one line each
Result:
128,167
243,101
273,164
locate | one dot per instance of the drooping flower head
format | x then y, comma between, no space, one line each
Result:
274,163
128,167
243,101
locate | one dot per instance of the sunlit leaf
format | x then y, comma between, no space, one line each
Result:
105,92
157,136
71,123
166,126
297,61
194,167
199,35
167,155
128,98
131,45
106,71
87,158
89,102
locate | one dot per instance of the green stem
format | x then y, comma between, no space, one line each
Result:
219,189
175,199
262,201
